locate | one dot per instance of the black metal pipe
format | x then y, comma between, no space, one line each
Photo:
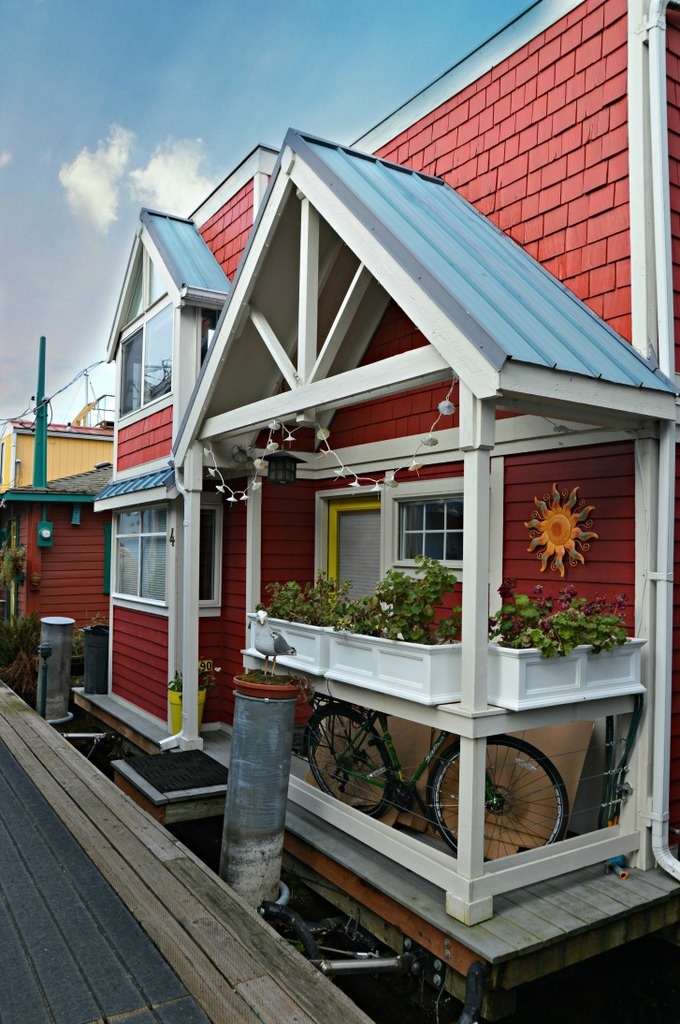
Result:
474,993
276,912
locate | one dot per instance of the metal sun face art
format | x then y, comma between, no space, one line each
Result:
557,528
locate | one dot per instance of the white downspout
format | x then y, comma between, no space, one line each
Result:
663,577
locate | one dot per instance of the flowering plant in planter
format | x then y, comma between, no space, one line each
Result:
314,604
206,681
404,606
557,625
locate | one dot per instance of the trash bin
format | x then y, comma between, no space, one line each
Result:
96,659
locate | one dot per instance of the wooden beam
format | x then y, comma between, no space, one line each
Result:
274,346
413,369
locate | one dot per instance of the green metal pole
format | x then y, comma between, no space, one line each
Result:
40,449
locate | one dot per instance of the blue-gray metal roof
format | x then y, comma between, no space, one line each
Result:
184,253
503,300
132,485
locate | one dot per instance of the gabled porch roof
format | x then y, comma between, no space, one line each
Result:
341,233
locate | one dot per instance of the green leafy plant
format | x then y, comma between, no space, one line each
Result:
12,564
405,606
19,640
315,604
556,625
206,680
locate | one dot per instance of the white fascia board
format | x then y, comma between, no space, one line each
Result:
117,326
586,399
260,161
236,310
416,368
522,30
464,358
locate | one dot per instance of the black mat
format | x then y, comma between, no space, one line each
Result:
187,769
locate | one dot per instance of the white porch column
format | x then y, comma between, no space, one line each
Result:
477,436
191,487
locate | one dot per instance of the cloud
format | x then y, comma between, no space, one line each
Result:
171,181
5,158
92,180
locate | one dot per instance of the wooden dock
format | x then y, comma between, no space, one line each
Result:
212,957
535,931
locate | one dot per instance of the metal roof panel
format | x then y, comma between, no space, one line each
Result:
184,253
134,484
506,303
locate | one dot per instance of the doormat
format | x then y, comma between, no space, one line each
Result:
187,769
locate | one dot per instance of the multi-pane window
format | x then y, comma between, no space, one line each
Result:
208,558
141,545
433,528
147,362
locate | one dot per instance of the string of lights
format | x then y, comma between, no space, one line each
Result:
325,451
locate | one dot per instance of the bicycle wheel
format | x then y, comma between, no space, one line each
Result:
348,759
526,801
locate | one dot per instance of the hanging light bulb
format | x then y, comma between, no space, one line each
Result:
323,433
274,425
429,441
260,464
272,446
446,408
415,466
256,485
212,470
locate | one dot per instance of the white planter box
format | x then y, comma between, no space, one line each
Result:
523,679
310,643
419,672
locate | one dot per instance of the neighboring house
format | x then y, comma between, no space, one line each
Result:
68,548
71,448
530,281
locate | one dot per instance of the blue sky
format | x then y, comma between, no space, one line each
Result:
111,105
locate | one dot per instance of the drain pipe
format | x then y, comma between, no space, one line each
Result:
663,577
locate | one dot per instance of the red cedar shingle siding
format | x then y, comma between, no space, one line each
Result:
147,439
539,144
226,233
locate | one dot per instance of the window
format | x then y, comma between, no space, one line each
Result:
208,318
141,545
210,556
433,528
147,362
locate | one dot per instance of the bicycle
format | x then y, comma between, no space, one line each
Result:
353,758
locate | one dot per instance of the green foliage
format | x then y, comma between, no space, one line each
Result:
316,604
206,680
12,564
404,606
556,625
19,636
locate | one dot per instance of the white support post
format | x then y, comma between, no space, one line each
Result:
309,289
192,486
477,432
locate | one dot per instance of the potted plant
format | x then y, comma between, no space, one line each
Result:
206,681
12,564
399,639
306,610
554,650
274,686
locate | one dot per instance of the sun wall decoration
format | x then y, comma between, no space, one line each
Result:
557,528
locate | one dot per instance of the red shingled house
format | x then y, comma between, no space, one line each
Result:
506,242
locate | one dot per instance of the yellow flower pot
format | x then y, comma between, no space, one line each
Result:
175,700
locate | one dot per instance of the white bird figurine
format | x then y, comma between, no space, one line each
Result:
269,641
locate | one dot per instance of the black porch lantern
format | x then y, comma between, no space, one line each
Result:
282,467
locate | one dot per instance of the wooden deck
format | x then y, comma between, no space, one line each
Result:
534,932
217,956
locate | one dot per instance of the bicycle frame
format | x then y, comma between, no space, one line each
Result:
379,717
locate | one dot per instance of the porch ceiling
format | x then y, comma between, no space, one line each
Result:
339,235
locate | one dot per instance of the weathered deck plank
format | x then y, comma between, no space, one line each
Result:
234,965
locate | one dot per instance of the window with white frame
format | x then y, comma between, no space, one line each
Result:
423,518
147,362
141,546
432,527
210,556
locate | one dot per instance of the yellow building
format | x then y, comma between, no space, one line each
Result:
71,449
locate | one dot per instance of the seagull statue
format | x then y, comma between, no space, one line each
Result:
269,641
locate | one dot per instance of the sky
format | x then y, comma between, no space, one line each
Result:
112,105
